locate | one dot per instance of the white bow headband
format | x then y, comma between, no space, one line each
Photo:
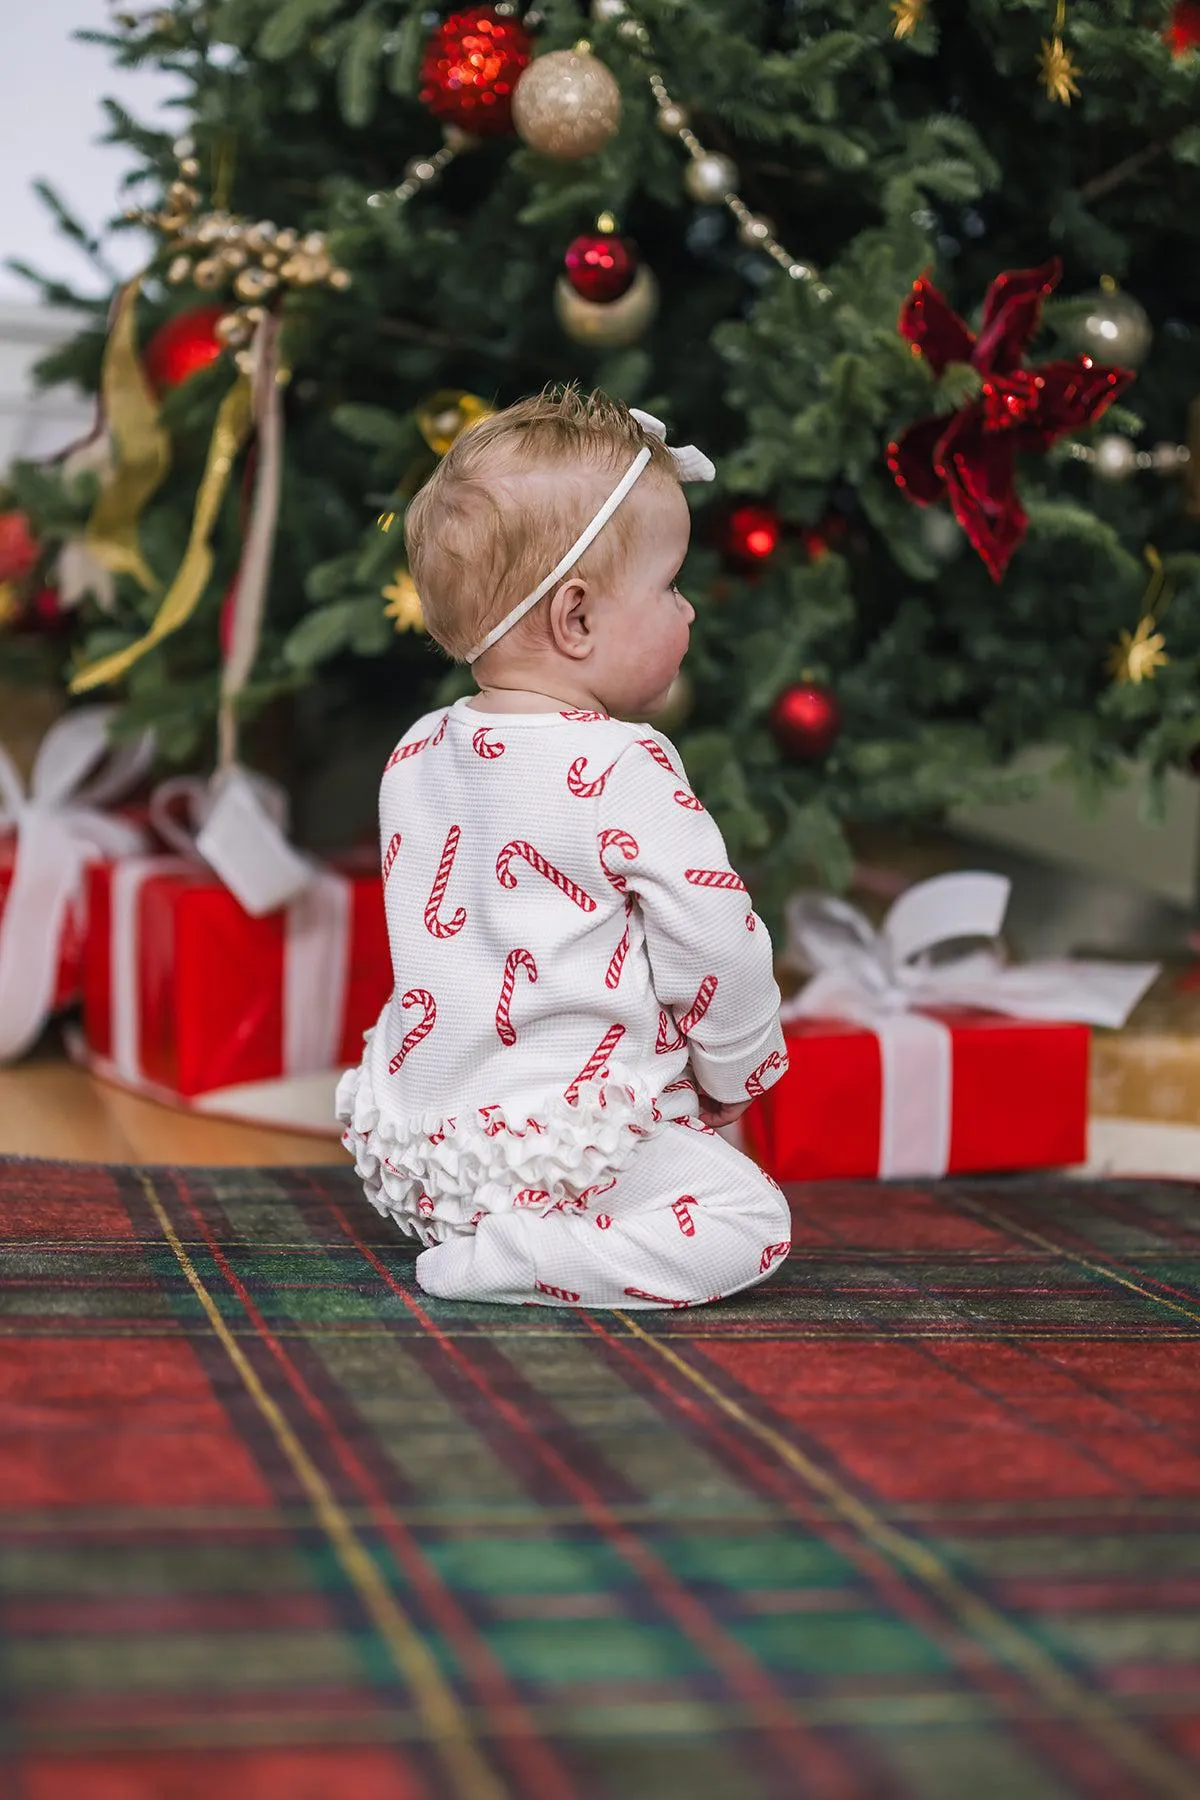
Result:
692,465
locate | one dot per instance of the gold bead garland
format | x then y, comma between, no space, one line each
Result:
710,176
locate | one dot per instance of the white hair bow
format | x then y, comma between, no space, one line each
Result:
692,464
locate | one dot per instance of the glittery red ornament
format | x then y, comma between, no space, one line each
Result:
601,266
751,535
183,346
18,548
805,721
1183,30
969,456
470,68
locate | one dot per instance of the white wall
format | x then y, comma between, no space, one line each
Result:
50,120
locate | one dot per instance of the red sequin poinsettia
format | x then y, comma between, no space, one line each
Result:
969,456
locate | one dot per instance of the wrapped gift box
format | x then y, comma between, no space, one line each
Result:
1019,1099
185,992
1150,1069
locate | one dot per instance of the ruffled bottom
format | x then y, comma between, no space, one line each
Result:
438,1176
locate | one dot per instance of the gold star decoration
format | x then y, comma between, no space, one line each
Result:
1057,69
908,15
1137,655
404,603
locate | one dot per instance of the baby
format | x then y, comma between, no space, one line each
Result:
582,991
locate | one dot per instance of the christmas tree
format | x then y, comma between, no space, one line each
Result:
947,525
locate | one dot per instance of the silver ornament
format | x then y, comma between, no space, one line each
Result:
604,11
614,324
1115,329
710,177
672,118
1116,458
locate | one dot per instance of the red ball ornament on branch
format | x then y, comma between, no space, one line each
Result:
470,69
806,721
18,547
1183,29
969,456
600,266
751,535
183,346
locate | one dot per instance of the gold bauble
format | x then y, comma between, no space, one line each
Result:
208,273
676,708
252,284
567,105
443,416
613,324
709,177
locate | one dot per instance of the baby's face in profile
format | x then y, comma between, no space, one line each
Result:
644,622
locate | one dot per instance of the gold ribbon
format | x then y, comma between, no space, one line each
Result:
142,448
229,434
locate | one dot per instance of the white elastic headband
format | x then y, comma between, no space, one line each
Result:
692,465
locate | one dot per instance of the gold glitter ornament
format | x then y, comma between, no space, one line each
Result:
443,416
404,603
613,324
1137,655
567,105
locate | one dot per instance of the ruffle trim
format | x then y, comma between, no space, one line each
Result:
437,1175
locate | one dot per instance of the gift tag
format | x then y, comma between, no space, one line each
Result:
245,844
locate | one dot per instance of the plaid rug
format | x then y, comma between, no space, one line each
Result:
921,1517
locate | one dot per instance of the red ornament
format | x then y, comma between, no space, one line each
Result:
471,66
751,535
805,721
601,266
46,612
1183,31
183,346
969,456
18,547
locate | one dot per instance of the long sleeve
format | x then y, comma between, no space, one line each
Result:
710,956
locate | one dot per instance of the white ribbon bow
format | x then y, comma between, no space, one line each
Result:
60,829
880,978
692,464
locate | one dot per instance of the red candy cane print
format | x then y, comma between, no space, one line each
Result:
687,800
531,1197
391,853
444,928
751,922
659,754
541,866
581,788
689,1020
658,1299
482,745
404,751
773,1253
516,959
599,1187
715,878
754,1081
683,1216
616,961
583,718
683,1086
420,1031
626,843
555,1293
597,1062
603,1221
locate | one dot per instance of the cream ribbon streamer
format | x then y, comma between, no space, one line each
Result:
920,958
60,827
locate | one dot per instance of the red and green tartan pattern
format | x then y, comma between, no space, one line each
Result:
919,1517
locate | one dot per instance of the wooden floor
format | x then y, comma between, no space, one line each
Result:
48,1108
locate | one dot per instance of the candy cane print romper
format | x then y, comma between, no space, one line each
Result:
569,946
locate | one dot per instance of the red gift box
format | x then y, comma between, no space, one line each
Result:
1018,1099
185,992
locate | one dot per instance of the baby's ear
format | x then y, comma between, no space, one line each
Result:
571,625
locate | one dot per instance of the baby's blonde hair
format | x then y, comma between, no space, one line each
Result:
481,535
